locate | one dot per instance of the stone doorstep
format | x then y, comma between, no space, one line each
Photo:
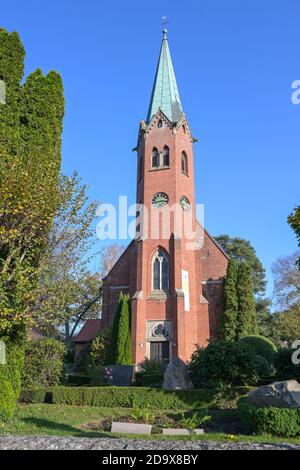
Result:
181,432
131,428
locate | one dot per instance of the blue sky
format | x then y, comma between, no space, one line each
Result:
234,62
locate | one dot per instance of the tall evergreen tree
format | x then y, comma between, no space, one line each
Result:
230,312
121,352
30,139
247,323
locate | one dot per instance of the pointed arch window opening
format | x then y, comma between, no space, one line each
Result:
160,159
160,271
184,163
155,158
166,156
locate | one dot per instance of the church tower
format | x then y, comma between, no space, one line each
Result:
174,269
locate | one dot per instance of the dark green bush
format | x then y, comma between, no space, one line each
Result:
262,366
43,363
152,380
282,422
284,367
224,362
36,395
10,378
99,349
261,345
151,374
79,379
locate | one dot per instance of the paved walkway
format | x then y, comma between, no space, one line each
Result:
83,443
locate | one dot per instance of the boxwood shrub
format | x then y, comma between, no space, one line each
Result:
129,397
261,345
282,422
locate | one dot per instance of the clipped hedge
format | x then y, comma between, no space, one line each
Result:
261,345
281,422
127,397
134,397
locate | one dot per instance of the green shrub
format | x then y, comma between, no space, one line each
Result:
261,345
100,348
150,374
43,363
262,366
282,422
149,367
36,395
10,378
224,362
128,397
98,376
284,367
79,379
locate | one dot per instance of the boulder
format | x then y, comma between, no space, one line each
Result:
278,394
176,376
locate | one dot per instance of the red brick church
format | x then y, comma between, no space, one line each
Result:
176,290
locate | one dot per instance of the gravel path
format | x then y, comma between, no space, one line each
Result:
83,443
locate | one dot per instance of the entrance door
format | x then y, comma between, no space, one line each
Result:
160,351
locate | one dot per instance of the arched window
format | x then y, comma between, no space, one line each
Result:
184,163
160,270
160,123
183,128
155,158
166,158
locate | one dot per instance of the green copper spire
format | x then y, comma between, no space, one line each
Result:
165,94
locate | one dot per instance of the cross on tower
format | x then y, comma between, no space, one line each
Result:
164,22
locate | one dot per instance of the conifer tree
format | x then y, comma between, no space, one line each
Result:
121,352
230,312
247,323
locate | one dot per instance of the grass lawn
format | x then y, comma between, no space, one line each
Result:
68,420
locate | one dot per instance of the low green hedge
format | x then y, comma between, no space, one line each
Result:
282,422
149,380
129,397
133,397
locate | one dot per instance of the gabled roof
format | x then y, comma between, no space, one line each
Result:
165,95
88,332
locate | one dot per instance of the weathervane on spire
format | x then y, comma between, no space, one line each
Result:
164,22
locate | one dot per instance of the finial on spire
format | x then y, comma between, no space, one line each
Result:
164,22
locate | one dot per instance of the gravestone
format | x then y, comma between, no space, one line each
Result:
278,394
176,376
119,376
131,428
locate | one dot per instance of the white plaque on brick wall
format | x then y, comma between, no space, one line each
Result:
186,290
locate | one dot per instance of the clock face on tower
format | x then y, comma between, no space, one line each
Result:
160,200
185,203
